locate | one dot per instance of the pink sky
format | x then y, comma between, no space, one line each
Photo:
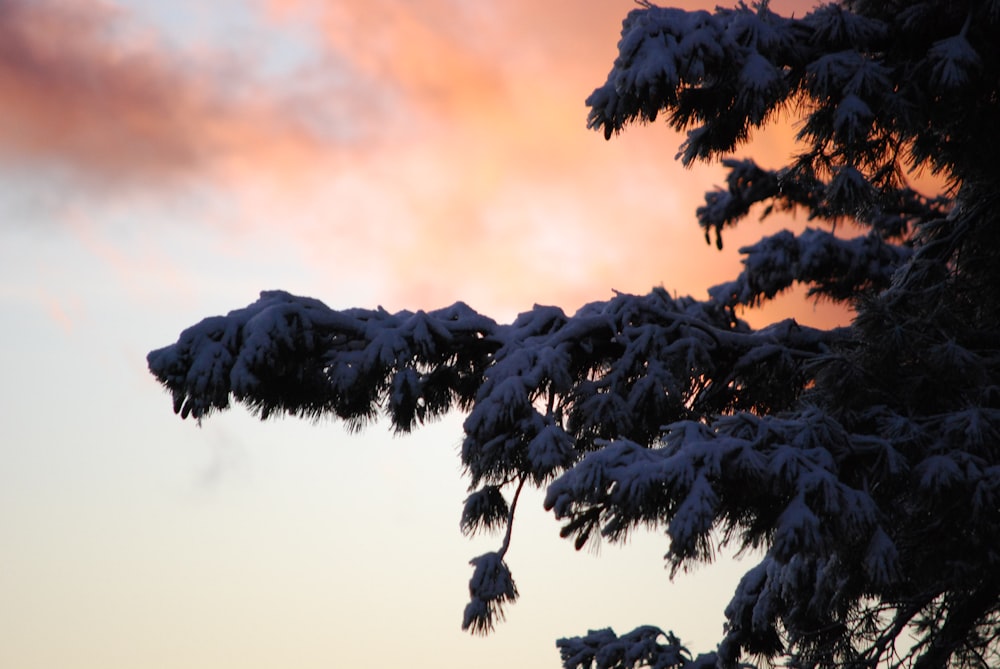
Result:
433,150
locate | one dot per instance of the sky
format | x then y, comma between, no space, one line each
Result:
163,162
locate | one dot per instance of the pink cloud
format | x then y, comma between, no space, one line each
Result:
432,150
72,96
491,189
89,90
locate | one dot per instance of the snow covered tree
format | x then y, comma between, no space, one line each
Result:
862,463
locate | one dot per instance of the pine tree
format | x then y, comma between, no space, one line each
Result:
863,462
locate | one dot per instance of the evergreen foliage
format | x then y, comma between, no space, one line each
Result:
862,462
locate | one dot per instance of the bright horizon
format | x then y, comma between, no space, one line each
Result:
164,163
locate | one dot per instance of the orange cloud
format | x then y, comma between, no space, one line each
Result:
431,150
492,175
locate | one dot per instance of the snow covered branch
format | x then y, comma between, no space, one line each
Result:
720,75
645,646
296,355
893,215
832,267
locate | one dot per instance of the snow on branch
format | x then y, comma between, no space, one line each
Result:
490,589
540,390
893,214
731,66
737,474
832,267
645,646
876,88
293,354
558,386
